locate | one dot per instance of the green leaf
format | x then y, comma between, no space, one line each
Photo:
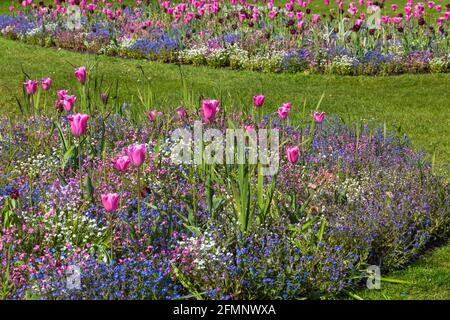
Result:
68,155
89,188
321,230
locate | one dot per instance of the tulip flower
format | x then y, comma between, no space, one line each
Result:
287,105
62,93
121,163
78,127
318,117
78,124
209,110
283,113
258,100
151,115
69,101
81,74
46,84
249,128
110,201
104,98
292,154
136,153
64,105
31,87
182,113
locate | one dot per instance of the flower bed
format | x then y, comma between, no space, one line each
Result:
364,38
102,194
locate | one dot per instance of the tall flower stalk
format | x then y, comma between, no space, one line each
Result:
136,154
78,127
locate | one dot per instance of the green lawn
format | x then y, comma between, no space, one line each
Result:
417,103
429,278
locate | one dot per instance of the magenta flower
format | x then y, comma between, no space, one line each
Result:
78,124
209,109
287,105
64,105
258,100
81,74
69,102
249,128
62,93
104,98
318,117
283,113
182,113
151,115
110,201
31,87
46,84
292,154
136,153
121,163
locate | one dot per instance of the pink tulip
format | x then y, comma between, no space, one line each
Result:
78,124
258,100
287,105
272,14
81,74
318,117
182,113
209,109
11,8
69,102
315,18
394,7
430,4
62,93
31,87
151,115
136,153
65,104
249,128
46,84
283,113
110,201
292,154
121,163
104,98
438,8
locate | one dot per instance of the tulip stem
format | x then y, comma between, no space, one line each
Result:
80,168
111,227
139,197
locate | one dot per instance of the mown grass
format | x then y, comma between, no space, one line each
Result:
418,104
428,278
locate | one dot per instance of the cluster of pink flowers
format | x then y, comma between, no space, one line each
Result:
31,86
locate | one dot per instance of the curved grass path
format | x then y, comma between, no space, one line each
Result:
429,278
420,104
